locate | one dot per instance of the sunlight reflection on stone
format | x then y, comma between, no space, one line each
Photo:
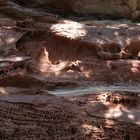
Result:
138,122
14,59
3,91
76,29
10,40
135,70
135,67
116,33
130,116
56,69
88,128
86,74
114,112
117,26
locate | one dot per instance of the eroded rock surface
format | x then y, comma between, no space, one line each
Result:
101,8
75,51
41,52
51,117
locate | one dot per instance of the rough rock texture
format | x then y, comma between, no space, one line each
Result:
75,51
110,8
43,116
71,51
41,53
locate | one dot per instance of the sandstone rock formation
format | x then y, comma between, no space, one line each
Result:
110,8
39,115
43,54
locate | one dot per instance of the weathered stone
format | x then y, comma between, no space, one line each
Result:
42,53
114,41
112,8
100,8
22,113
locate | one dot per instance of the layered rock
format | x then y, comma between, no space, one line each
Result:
38,53
71,51
36,114
111,8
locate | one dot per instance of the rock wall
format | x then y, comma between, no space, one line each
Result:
98,8
113,8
